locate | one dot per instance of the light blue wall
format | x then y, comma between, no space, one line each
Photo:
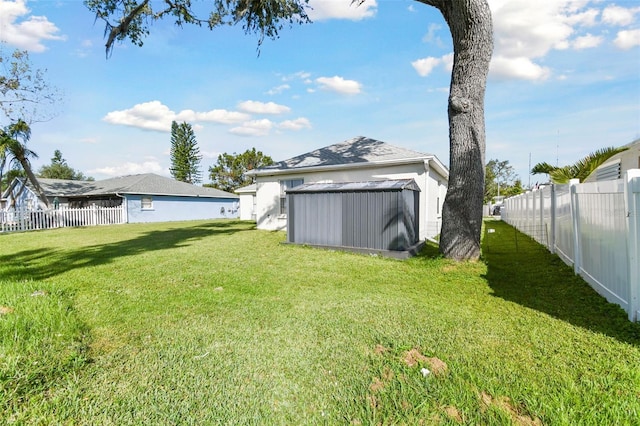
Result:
26,200
168,208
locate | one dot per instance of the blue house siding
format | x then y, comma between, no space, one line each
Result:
173,208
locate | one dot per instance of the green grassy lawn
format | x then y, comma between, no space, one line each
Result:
218,323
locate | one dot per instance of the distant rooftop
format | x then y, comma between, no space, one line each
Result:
147,184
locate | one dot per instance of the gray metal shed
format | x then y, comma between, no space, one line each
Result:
374,215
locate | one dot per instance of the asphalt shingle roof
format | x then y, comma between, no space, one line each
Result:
357,150
147,184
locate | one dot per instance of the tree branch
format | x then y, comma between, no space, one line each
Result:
123,27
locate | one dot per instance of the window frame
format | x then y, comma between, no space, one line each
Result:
284,185
146,202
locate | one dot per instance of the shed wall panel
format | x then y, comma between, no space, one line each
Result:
383,220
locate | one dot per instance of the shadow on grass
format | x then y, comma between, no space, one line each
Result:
522,271
43,263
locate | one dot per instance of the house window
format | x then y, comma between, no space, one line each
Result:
146,203
284,185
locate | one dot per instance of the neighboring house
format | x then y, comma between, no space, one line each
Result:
616,166
247,202
146,197
359,159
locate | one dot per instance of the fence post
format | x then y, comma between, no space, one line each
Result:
94,214
632,207
552,219
541,218
125,211
575,219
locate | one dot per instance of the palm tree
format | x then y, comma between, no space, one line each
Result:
10,146
579,170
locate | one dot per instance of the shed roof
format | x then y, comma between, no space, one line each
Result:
144,184
376,185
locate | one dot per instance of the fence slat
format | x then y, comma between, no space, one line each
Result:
595,228
14,220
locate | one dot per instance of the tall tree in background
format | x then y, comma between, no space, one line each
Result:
25,97
229,173
500,179
16,151
59,169
472,31
185,154
25,93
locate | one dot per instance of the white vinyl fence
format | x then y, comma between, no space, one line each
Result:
13,220
594,227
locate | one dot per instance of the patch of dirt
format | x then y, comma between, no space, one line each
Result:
373,402
437,366
5,310
414,357
388,374
505,404
377,385
453,413
379,349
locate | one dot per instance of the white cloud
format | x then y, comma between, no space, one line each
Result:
26,34
278,89
339,85
521,68
129,168
253,128
320,10
297,124
447,61
430,36
156,116
300,75
424,66
220,116
621,16
210,154
586,42
255,107
627,39
525,31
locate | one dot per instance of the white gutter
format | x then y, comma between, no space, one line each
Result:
364,165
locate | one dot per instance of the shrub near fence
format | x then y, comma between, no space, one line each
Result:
13,220
594,227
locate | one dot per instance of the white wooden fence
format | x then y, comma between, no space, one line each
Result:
13,220
594,227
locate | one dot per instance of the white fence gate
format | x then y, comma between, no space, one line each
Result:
594,227
13,220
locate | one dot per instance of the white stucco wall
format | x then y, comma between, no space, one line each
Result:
268,215
247,202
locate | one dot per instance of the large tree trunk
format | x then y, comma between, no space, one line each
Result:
471,29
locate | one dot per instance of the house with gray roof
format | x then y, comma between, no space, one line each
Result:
144,197
360,159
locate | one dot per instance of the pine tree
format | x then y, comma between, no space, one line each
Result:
185,154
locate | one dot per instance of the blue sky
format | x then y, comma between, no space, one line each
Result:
564,81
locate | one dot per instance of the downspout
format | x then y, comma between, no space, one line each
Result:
125,208
426,186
